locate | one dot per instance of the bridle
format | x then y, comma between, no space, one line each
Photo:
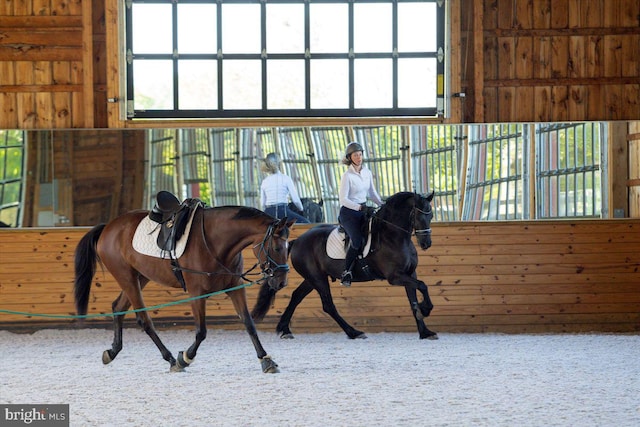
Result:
422,231
269,266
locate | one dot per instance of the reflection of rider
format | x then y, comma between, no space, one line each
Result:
276,188
356,185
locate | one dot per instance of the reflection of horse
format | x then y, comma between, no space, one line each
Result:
212,261
393,257
312,210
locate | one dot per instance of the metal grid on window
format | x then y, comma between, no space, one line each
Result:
435,165
329,144
161,167
569,177
253,58
12,161
225,167
495,186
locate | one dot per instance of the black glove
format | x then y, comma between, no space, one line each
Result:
368,211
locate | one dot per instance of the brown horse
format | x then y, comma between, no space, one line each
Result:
212,261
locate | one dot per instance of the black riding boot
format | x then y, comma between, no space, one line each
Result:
350,259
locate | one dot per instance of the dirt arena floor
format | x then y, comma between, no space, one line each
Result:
389,379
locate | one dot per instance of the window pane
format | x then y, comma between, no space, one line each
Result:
373,83
197,28
241,28
285,84
285,28
372,28
151,28
330,83
415,89
198,84
416,22
153,85
329,28
242,85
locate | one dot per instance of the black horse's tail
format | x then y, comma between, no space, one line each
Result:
85,267
265,298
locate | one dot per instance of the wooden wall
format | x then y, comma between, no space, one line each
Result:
515,60
511,277
550,60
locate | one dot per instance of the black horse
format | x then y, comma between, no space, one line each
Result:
392,256
312,210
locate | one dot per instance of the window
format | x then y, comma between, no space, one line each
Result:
12,161
283,58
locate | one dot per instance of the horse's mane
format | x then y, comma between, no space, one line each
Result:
396,202
242,212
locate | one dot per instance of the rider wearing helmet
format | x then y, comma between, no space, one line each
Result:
276,189
356,185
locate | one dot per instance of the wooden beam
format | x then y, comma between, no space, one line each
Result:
87,64
478,61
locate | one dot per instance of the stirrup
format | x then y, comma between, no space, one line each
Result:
345,280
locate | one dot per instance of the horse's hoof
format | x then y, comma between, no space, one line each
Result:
183,360
433,336
269,366
288,336
359,336
176,368
106,357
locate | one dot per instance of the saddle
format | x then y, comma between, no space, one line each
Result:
173,217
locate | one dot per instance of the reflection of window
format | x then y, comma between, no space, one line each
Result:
569,176
495,186
11,176
252,58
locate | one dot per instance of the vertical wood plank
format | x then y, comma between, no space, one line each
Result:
479,104
541,14
560,14
506,53
594,53
577,56
612,56
577,101
559,56
524,101
542,104
542,58
559,103
87,64
523,58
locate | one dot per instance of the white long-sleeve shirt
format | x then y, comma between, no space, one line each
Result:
355,187
276,188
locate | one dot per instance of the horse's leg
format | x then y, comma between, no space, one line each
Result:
421,310
330,308
199,308
132,284
296,298
119,304
239,299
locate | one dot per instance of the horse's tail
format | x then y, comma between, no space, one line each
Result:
264,302
85,267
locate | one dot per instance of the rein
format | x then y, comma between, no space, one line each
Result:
411,231
266,267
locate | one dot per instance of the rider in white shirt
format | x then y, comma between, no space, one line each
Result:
276,189
356,185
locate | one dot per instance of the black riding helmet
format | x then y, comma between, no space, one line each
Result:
352,147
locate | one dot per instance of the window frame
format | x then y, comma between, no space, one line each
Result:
437,110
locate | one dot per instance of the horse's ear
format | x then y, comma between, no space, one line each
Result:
429,196
290,222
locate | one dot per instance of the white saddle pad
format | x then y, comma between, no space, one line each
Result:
145,239
335,244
